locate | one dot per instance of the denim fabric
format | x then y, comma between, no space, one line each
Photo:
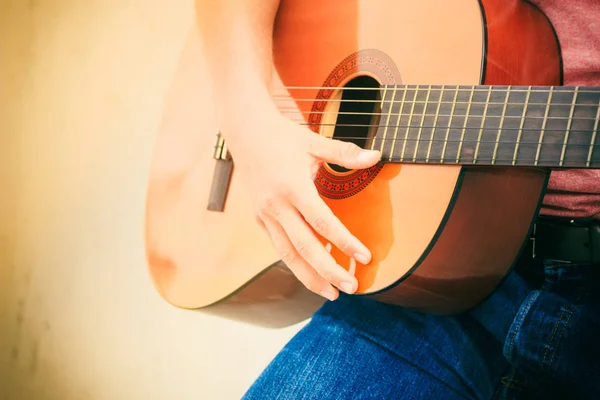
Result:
537,336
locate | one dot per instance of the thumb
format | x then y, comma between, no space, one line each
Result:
344,154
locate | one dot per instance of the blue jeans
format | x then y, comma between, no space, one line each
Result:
537,336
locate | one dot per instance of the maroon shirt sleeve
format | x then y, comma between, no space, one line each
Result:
575,193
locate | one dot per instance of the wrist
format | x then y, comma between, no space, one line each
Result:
245,113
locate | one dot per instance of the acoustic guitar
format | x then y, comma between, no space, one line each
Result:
465,100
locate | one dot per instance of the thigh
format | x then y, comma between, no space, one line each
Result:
553,342
361,349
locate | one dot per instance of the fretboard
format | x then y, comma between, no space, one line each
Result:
490,125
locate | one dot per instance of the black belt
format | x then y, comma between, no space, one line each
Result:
575,241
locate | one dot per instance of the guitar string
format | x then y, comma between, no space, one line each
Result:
473,141
562,119
515,103
480,160
294,111
382,140
477,88
465,159
440,127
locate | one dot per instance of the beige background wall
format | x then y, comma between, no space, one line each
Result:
83,84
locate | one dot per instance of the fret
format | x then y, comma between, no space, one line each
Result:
501,125
422,123
462,134
398,120
539,148
520,133
530,127
556,126
442,121
581,128
471,126
382,111
564,147
554,131
430,119
512,125
489,126
449,124
435,124
458,118
408,125
481,127
416,123
387,123
593,139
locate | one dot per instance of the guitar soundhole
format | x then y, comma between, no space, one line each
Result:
355,78
358,114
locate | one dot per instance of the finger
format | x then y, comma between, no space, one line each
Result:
261,223
320,217
351,267
305,274
313,252
345,154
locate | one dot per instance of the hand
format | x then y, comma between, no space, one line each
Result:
277,160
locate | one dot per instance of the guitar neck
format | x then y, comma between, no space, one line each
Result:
542,126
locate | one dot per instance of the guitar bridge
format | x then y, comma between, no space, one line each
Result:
222,175
220,151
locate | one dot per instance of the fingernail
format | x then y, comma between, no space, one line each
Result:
361,258
367,155
328,295
346,287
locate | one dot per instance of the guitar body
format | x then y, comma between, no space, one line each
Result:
443,237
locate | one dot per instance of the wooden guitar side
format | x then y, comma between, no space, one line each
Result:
442,237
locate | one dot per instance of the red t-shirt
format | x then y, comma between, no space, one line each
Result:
575,193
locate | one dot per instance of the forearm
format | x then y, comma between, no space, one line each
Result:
237,35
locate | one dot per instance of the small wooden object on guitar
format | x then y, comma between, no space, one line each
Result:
465,100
